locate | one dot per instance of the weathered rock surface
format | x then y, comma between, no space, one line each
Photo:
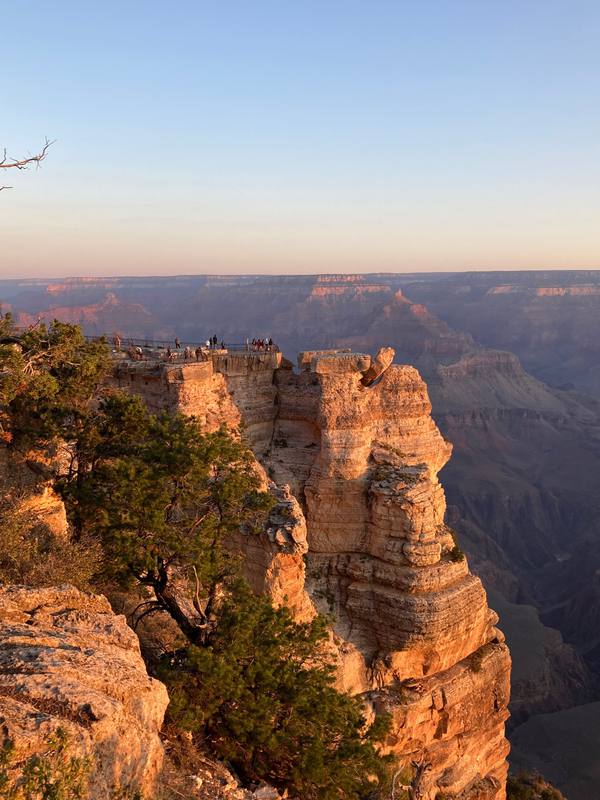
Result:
237,389
419,639
274,559
413,630
26,483
380,363
67,662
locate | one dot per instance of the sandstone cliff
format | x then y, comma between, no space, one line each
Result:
67,662
413,631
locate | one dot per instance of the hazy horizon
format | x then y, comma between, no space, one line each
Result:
273,138
183,275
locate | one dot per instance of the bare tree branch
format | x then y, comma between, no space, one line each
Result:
8,162
23,163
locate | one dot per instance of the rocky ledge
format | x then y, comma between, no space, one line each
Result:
67,662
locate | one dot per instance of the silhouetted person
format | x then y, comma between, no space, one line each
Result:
177,343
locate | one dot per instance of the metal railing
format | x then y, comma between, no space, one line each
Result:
163,344
166,350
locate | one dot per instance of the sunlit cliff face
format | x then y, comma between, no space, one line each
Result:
351,443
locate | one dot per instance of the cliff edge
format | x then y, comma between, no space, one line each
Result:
68,663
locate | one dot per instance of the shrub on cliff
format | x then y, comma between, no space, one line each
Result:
165,499
31,554
49,380
52,775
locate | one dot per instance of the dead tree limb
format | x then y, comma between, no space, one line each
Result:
8,162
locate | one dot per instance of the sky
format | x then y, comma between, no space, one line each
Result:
300,136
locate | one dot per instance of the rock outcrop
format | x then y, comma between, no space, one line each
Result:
237,389
379,364
68,662
274,559
416,635
359,464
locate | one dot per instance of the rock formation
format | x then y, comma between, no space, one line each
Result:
67,662
379,364
413,631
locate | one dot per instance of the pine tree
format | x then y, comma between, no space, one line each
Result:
261,694
51,378
165,499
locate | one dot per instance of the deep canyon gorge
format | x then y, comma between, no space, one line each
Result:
509,366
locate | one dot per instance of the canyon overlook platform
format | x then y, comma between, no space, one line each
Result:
347,445
235,387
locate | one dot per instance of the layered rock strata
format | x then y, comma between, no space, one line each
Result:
228,389
67,662
353,439
237,390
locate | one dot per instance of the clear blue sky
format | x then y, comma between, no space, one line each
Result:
301,136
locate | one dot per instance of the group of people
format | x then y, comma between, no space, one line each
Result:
262,344
213,343
133,352
189,354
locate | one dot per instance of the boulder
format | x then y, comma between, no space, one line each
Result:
68,663
379,364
